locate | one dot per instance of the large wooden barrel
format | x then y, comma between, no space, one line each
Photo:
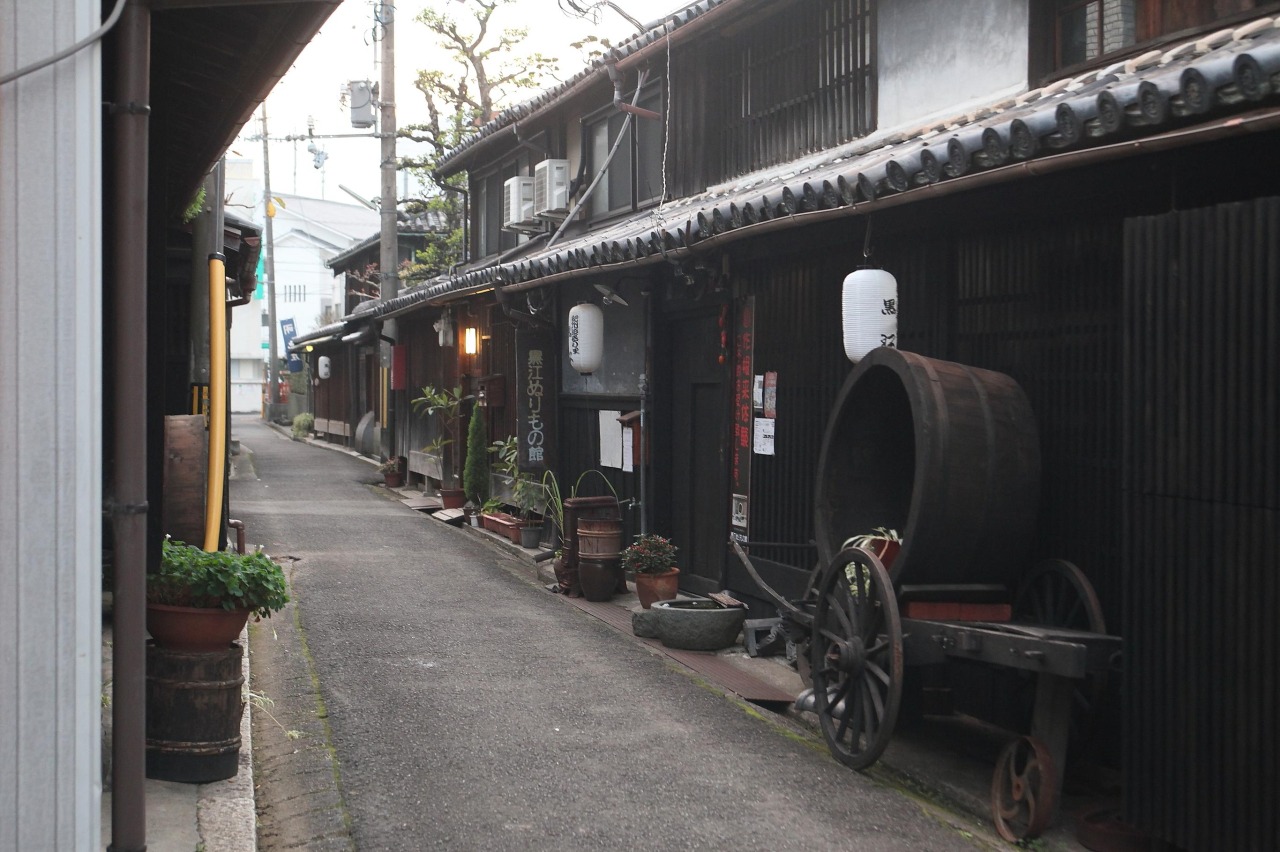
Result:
194,704
948,455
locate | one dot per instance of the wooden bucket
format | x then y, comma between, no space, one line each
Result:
194,705
599,539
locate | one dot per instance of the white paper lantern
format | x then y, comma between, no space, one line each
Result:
322,366
869,306
586,337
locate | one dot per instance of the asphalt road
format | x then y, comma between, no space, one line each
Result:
427,694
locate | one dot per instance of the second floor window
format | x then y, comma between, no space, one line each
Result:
1085,31
634,176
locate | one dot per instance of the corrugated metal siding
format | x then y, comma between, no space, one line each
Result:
1202,521
51,447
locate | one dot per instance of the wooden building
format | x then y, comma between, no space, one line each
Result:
1072,193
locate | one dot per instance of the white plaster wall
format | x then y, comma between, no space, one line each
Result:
51,439
938,57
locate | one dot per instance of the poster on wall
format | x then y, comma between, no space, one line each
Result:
763,442
535,397
744,404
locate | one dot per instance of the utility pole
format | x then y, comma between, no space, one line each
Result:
273,378
389,281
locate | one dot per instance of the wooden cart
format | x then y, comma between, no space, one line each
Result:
949,455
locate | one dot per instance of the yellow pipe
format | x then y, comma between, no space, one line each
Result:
217,400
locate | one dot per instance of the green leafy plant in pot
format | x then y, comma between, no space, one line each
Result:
652,558
446,405
392,471
200,600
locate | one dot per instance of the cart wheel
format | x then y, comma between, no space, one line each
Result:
856,657
1056,593
1024,790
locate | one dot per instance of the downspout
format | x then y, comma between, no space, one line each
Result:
129,494
604,167
215,482
615,76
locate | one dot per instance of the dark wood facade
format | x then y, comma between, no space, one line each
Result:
1133,299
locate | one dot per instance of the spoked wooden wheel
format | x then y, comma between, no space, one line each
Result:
1056,593
856,657
1024,790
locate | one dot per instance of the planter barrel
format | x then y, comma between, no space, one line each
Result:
194,705
599,538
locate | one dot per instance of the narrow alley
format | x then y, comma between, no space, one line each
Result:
421,692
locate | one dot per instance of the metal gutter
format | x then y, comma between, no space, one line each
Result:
1255,122
127,502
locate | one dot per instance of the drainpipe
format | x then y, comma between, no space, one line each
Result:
128,504
618,101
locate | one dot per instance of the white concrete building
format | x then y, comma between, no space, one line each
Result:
306,233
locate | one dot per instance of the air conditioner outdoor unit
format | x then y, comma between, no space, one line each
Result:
551,187
517,202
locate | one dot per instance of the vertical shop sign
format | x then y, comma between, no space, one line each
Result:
290,331
744,410
535,397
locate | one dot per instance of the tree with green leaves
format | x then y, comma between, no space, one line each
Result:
484,69
475,474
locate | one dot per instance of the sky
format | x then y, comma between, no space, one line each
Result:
346,50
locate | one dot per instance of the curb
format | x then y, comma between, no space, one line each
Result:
226,811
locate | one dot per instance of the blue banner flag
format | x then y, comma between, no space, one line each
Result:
290,332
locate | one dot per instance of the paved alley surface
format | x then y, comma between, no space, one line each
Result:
439,698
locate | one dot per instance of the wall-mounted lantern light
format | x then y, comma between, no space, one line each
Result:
869,307
586,337
471,341
322,366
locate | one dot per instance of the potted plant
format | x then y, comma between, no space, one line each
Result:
526,493
200,600
553,499
447,405
652,559
392,471
883,542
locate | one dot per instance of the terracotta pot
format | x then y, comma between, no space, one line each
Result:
393,480
886,552
651,588
189,628
453,498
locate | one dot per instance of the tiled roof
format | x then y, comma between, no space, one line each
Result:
1202,84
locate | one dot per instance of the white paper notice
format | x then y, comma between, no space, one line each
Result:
764,436
628,449
610,439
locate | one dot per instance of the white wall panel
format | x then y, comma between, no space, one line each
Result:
50,430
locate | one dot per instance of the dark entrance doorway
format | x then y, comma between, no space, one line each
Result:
699,384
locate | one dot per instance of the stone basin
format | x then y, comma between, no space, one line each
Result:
697,625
